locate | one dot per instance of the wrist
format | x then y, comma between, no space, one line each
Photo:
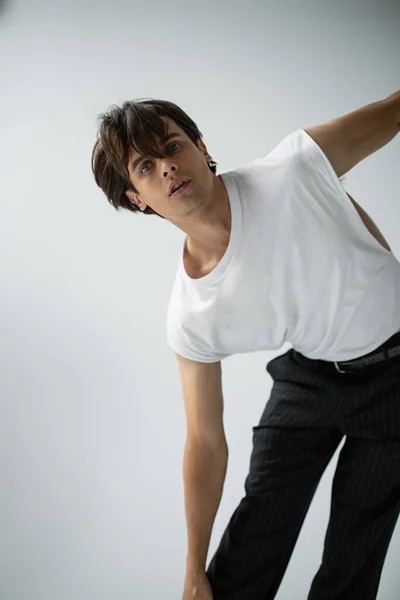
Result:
195,567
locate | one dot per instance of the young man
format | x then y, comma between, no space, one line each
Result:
276,251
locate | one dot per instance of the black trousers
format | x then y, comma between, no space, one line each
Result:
311,408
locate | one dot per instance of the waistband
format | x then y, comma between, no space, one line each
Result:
387,351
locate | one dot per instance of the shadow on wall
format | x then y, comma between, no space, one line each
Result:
5,5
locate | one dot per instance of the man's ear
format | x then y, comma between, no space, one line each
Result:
203,147
135,199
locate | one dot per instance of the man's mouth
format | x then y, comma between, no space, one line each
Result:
182,187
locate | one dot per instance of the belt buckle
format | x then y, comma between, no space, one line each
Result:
337,368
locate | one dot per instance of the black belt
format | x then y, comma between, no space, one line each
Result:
364,361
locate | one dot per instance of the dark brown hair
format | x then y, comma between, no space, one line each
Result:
134,125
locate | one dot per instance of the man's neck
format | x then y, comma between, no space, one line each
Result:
215,246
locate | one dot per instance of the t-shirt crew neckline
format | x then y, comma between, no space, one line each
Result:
223,264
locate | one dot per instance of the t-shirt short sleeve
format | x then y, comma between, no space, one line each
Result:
188,345
308,150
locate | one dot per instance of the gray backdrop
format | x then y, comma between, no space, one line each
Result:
92,424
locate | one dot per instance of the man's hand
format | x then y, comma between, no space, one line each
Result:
197,587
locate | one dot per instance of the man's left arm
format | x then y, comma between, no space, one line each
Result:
349,139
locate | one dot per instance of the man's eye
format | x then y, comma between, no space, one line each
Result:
149,162
141,170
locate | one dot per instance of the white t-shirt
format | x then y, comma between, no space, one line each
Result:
301,267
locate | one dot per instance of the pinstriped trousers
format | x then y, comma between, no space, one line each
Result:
311,408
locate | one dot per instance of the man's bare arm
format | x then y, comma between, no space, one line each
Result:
349,139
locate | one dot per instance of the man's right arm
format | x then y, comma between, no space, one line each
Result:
206,454
204,470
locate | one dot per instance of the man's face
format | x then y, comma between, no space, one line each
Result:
152,176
